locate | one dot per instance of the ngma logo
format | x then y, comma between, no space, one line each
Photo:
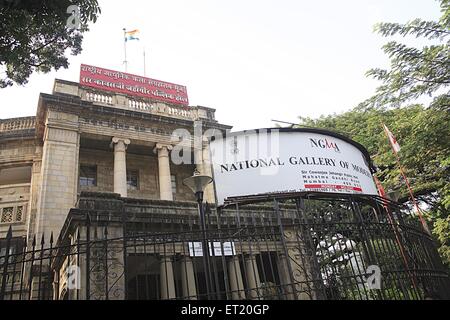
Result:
324,144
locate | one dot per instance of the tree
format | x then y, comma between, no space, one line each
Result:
423,131
425,154
35,35
415,72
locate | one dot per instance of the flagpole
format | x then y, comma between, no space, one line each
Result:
382,193
144,64
402,171
125,62
422,220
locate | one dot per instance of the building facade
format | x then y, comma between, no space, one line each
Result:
85,140
92,206
99,156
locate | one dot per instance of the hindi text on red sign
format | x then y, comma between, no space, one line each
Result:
126,83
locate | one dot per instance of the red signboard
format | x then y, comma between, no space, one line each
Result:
126,83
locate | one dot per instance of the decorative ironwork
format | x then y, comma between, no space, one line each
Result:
302,247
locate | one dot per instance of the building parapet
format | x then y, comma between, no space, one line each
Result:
133,103
17,124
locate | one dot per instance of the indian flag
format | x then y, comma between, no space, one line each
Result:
132,35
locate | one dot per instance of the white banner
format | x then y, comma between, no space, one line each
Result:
252,163
196,249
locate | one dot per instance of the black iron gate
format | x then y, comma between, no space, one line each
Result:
296,247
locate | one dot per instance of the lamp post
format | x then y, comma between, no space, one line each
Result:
197,183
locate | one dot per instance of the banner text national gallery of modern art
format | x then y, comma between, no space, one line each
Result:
284,160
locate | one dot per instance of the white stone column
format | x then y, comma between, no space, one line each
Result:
55,285
235,277
286,283
165,183
209,195
252,273
188,279
198,159
120,165
34,195
203,165
166,276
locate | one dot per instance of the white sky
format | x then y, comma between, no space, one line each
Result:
252,60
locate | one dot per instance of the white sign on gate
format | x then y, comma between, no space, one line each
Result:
196,249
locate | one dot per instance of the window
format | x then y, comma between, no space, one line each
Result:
15,247
133,180
19,213
12,214
88,176
11,253
7,215
173,180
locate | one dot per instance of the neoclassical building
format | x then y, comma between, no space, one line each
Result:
93,206
93,160
85,140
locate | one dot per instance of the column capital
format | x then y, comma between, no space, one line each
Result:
116,140
162,146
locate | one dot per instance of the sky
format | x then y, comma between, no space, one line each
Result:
251,60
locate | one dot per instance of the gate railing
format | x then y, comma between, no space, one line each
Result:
346,250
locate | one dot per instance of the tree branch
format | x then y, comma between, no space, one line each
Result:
429,29
430,81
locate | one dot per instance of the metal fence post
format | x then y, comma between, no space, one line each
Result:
124,244
286,252
5,264
88,256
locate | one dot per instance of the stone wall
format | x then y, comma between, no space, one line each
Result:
14,208
181,172
18,153
13,151
59,172
146,166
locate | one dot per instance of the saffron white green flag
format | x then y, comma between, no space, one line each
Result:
132,35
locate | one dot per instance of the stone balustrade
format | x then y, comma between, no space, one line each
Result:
159,108
144,105
140,105
121,101
99,97
17,124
